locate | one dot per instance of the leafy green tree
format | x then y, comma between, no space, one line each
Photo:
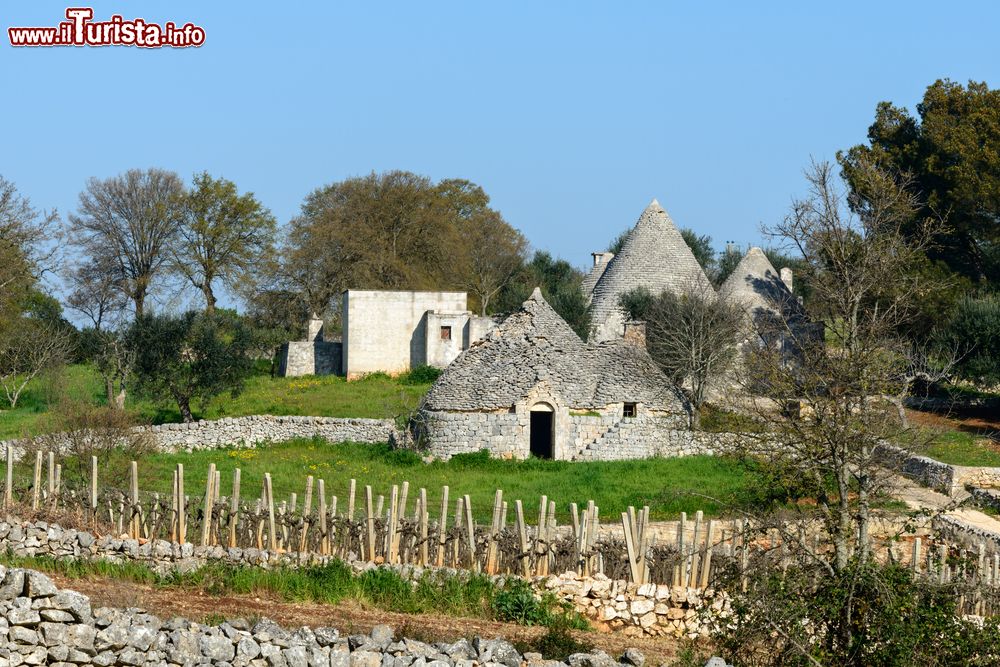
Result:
561,287
951,149
727,263
190,357
637,303
24,231
224,234
396,230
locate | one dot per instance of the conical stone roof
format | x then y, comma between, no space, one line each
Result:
535,345
756,286
653,256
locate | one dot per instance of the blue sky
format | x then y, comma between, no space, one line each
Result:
572,115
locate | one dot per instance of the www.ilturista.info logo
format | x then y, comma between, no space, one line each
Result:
80,30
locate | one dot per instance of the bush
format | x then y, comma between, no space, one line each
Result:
866,614
78,430
974,330
480,459
422,374
517,603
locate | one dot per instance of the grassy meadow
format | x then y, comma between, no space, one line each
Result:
378,396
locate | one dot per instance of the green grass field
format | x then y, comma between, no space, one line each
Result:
668,486
961,448
327,396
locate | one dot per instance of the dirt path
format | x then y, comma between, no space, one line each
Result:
918,497
350,617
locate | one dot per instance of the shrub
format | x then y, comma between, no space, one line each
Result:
480,459
422,374
376,376
866,614
78,430
517,603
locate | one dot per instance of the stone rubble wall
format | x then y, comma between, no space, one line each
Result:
944,477
612,605
237,432
41,624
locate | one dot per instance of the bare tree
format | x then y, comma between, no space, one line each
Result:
96,292
495,254
857,261
130,221
692,336
34,347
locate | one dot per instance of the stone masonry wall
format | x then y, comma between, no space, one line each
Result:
298,358
250,431
944,477
581,437
611,605
41,624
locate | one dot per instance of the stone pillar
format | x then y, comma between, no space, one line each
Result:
786,277
314,328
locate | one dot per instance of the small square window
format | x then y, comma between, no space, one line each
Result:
445,333
629,410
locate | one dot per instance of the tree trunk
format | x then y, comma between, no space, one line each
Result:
109,391
184,405
206,289
120,399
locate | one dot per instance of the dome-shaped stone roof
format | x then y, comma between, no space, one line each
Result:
535,345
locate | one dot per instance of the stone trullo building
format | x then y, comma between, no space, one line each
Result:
532,387
655,256
774,315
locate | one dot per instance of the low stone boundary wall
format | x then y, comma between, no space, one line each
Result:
944,477
42,624
250,431
612,605
954,529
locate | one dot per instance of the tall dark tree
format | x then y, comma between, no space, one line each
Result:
701,248
951,149
129,222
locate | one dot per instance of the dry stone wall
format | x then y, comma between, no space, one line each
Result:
944,477
41,624
236,432
613,605
599,437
